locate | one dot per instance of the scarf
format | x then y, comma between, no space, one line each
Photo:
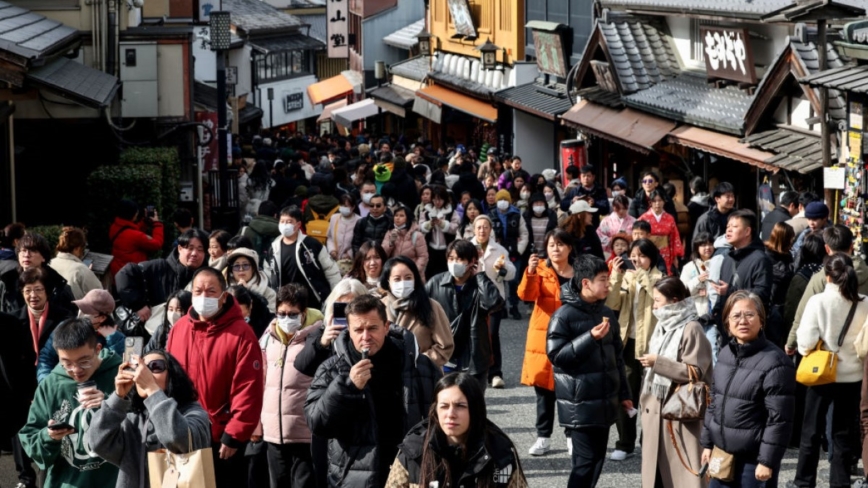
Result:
666,341
397,307
37,324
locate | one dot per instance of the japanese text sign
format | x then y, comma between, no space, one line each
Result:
338,28
727,54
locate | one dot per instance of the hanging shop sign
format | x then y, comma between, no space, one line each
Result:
727,54
462,20
604,75
293,101
549,48
338,28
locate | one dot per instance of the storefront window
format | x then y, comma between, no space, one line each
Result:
282,65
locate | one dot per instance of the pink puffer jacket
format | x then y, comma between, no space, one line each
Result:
283,420
410,243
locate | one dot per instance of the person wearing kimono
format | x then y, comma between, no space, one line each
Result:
664,231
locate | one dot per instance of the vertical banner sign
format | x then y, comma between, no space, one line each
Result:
727,54
207,141
338,28
572,154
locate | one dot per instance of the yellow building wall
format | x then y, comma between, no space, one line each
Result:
502,21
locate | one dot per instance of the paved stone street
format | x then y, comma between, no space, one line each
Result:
514,410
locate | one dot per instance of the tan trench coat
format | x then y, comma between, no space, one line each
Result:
657,449
622,289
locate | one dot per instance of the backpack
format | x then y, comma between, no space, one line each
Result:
318,227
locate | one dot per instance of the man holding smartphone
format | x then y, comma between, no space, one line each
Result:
64,405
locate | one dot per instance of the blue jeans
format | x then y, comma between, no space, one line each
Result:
745,477
713,336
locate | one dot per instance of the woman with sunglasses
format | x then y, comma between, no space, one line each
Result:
154,406
242,268
641,203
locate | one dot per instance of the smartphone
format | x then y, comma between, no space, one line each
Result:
340,315
715,283
133,348
703,470
61,426
87,262
150,211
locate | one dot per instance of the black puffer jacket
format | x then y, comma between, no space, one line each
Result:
59,292
712,222
469,324
640,204
152,282
590,381
754,271
337,410
782,273
369,228
752,402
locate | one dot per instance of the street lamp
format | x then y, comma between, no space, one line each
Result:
221,39
488,54
424,38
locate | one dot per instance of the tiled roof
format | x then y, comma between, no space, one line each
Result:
30,35
529,98
641,54
289,42
809,57
73,80
730,8
393,94
318,29
795,150
415,68
848,78
254,16
206,96
405,38
599,95
690,99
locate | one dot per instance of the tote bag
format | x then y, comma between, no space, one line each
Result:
192,470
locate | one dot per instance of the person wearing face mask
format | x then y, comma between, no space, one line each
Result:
284,428
339,239
366,193
619,187
176,307
510,230
298,258
220,352
439,223
540,220
373,227
408,305
552,195
405,239
617,222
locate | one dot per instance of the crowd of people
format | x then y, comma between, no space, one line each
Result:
347,333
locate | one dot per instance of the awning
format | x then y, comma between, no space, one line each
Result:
430,111
535,99
360,110
722,145
796,149
440,96
327,111
631,128
393,98
330,89
77,82
405,38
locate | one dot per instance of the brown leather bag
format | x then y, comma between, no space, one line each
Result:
687,402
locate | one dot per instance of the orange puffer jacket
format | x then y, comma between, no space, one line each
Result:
544,290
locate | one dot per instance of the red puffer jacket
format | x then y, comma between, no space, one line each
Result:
130,244
224,360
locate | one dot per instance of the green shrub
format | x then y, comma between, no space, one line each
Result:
108,185
50,232
170,187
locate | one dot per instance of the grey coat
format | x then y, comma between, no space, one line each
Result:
116,433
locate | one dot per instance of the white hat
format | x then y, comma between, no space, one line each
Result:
581,206
549,174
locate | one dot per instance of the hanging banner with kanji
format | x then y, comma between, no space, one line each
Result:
337,24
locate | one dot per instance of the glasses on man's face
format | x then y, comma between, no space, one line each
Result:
737,317
84,364
377,205
33,291
158,366
648,181
291,315
241,267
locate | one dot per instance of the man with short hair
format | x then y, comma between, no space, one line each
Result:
799,222
298,258
746,266
817,214
64,453
787,209
589,191
715,220
373,227
366,397
221,354
487,167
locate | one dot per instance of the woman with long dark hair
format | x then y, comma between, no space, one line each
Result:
697,274
664,230
833,319
438,222
154,406
408,305
778,248
368,265
472,210
811,256
405,238
457,445
177,306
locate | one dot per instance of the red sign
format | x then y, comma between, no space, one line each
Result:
207,141
573,153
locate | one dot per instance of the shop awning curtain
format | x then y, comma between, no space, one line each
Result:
360,110
440,96
429,110
721,145
329,109
330,89
628,127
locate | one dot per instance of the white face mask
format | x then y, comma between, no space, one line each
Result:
288,325
502,205
206,307
346,211
174,317
539,209
366,197
617,193
457,269
525,195
287,230
402,289
549,196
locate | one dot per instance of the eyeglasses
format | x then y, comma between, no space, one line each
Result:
33,291
241,267
649,180
377,205
292,316
84,364
158,366
736,317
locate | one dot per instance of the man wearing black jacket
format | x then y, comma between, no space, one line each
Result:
714,221
374,226
788,208
17,387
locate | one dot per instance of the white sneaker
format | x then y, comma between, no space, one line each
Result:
570,447
541,447
619,455
497,382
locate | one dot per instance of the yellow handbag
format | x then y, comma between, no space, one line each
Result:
820,366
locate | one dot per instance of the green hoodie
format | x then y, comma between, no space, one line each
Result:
69,463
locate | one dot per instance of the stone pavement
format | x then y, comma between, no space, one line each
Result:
514,410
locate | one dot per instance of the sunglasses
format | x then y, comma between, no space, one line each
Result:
292,316
649,180
158,366
241,267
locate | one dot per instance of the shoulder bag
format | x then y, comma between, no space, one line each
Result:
820,367
687,402
194,469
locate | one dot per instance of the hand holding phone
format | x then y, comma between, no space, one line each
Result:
133,349
60,426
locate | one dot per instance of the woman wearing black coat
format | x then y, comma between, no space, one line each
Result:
752,398
642,202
